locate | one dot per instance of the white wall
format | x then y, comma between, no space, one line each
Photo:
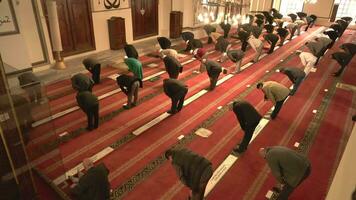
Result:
100,27
178,5
260,5
322,9
344,181
20,50
188,13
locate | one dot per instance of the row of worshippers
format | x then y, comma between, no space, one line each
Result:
318,47
175,89
196,173
289,167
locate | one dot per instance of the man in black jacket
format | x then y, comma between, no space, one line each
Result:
272,39
129,85
93,184
332,35
194,44
173,66
343,59
226,28
130,51
193,170
176,90
164,42
213,69
94,67
248,118
222,45
295,75
81,82
349,48
89,103
243,37
282,33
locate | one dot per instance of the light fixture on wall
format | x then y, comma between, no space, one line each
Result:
142,11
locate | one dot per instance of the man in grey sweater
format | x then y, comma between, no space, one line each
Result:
289,167
275,92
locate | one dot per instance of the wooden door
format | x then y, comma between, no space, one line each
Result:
144,18
76,26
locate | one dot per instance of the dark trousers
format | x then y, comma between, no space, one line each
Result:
133,94
272,47
338,73
244,45
198,193
173,73
287,189
296,85
292,34
213,80
247,137
93,117
96,74
210,40
178,101
277,108
282,41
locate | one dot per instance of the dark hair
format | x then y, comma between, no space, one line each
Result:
259,85
168,153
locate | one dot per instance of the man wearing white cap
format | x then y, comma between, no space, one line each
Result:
308,60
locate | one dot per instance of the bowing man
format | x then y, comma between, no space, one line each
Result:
343,59
176,91
236,56
248,118
173,66
94,67
130,51
89,104
81,82
275,92
135,67
129,84
295,75
272,39
213,69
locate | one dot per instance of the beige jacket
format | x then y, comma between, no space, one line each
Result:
275,91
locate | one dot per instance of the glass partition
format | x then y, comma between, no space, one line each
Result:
29,148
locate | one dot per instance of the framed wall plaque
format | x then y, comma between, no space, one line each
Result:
8,22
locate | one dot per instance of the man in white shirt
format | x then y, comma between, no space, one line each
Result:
257,46
168,52
308,60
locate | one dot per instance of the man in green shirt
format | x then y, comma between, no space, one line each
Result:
135,66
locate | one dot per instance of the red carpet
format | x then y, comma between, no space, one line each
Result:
109,102
125,161
289,135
